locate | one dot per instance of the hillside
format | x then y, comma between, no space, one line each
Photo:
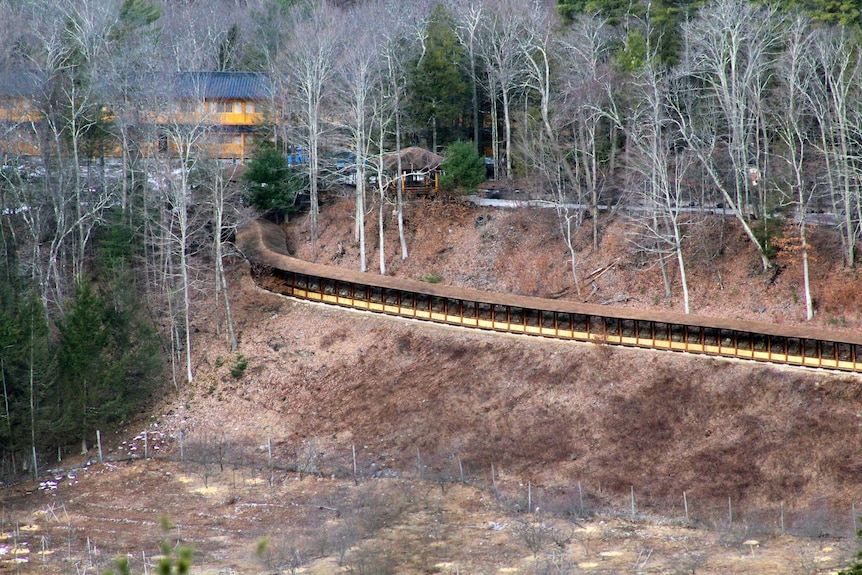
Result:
522,251
570,432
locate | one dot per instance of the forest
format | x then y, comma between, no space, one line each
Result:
116,233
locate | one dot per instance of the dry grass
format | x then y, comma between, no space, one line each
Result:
568,428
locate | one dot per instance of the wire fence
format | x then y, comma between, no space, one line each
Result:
217,455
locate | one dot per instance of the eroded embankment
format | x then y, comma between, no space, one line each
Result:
557,413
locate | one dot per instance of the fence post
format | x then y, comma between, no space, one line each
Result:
494,481
581,497
99,443
355,476
685,504
782,517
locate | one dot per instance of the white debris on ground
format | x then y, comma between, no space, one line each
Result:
70,478
14,554
145,443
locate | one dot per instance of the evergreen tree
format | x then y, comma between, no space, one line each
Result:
439,92
462,167
833,12
26,375
108,351
82,355
271,185
135,14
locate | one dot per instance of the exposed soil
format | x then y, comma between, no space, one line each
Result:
552,439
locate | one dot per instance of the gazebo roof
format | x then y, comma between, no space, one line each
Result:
413,159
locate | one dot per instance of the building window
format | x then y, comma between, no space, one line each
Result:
220,107
188,106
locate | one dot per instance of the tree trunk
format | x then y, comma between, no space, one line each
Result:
360,214
400,186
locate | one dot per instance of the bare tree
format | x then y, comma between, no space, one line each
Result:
730,48
585,49
836,101
83,39
65,98
183,146
796,121
132,59
660,170
404,32
468,21
309,62
358,80
544,164
212,32
225,214
184,123
503,58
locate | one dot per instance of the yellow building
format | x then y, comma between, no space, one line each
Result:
226,108
229,105
19,91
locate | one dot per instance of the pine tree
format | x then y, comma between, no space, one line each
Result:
439,91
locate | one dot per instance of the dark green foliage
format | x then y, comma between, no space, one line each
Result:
271,185
27,374
108,355
664,18
439,93
855,569
238,367
767,230
835,12
633,54
138,14
86,376
462,167
102,360
229,49
117,244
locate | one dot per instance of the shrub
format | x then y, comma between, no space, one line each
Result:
462,167
271,185
238,366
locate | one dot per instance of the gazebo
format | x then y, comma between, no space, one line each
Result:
420,168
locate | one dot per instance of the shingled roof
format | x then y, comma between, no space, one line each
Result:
191,85
413,159
223,85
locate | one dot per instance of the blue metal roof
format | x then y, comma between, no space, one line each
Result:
188,85
223,85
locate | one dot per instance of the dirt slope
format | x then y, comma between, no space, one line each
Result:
522,251
570,429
